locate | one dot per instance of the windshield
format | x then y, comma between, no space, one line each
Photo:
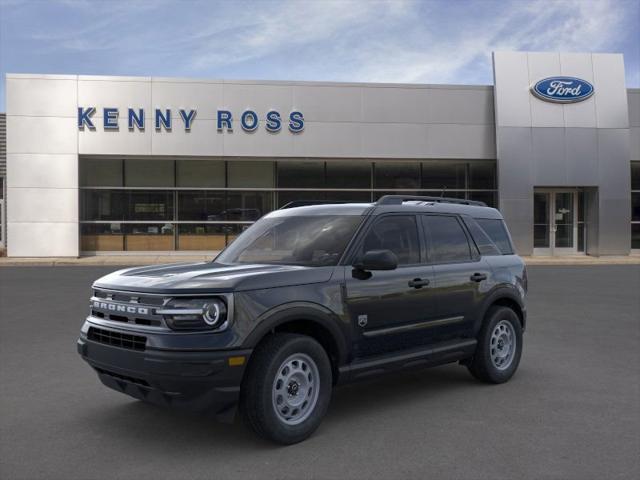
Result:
313,241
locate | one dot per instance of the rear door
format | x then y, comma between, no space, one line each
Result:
461,276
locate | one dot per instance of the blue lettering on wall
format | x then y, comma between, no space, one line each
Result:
84,117
136,120
274,123
224,120
249,120
296,121
110,118
163,120
187,118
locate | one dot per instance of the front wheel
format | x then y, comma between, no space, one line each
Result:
287,388
499,346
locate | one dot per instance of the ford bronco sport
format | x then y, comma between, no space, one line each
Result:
308,298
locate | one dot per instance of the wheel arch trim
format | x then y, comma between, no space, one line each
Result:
314,313
502,296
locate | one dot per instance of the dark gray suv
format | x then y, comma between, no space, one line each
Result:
308,298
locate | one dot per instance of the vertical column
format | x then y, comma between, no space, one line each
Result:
42,166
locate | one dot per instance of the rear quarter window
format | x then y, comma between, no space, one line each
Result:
497,232
482,240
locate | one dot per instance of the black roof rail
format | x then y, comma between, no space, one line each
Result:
400,199
306,203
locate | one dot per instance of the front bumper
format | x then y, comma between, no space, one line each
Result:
202,381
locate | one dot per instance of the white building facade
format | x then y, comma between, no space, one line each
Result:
104,165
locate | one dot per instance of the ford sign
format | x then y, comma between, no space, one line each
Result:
562,89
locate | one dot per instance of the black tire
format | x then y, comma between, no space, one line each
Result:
256,403
481,365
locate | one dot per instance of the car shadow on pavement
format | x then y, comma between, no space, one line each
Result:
135,421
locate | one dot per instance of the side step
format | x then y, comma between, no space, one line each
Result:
445,352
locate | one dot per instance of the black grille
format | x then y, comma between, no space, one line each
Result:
117,339
130,297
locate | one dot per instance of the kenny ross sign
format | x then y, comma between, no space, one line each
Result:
162,119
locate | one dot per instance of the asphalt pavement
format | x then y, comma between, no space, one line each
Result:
571,412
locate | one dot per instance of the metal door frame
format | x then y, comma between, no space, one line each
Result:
552,250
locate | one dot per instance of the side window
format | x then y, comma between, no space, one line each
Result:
396,233
498,233
447,240
482,240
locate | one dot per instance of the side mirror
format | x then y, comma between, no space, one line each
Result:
377,260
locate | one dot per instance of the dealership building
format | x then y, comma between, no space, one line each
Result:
115,165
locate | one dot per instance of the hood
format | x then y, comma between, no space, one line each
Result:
207,277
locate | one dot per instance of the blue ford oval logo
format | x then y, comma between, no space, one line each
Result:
562,89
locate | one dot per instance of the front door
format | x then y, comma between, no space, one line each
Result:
390,310
555,225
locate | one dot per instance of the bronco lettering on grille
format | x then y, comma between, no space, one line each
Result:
117,307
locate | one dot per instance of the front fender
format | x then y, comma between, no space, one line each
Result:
309,311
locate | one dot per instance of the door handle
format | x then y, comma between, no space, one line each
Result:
478,277
418,283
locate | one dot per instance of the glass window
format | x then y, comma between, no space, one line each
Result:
149,205
202,236
201,205
293,240
635,175
200,173
447,240
300,174
307,196
97,237
148,237
635,207
635,235
481,239
482,175
251,174
100,172
497,232
247,206
441,175
358,197
397,175
396,233
149,173
103,204
356,174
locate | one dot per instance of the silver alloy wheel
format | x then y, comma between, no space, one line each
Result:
503,345
296,389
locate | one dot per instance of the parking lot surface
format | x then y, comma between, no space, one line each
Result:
571,412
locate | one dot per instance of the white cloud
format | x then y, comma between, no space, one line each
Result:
436,41
570,25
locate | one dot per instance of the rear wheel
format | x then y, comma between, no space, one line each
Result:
287,388
499,346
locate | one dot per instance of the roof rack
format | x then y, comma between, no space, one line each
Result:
307,203
400,199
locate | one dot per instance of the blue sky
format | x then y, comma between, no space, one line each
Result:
438,41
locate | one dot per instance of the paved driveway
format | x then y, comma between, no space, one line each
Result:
571,412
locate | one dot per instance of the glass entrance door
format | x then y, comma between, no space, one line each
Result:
555,226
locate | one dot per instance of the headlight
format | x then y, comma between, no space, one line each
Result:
195,313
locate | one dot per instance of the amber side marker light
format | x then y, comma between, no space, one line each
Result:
236,361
